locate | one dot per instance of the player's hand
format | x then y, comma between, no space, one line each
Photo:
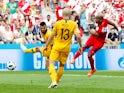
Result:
44,48
37,49
81,50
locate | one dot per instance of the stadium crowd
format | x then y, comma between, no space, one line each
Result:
20,19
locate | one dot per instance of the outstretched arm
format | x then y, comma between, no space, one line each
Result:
113,24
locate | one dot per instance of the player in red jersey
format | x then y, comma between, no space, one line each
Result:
96,40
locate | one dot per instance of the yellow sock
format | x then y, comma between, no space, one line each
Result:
52,72
60,73
41,49
47,63
30,50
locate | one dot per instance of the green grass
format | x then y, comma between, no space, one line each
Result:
72,82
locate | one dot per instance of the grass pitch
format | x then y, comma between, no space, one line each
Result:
72,82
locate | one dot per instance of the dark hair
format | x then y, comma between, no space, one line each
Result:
122,26
28,18
112,28
42,24
48,15
99,16
73,12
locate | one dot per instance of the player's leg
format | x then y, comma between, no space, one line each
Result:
47,63
97,46
62,58
32,50
29,50
60,72
78,53
91,60
53,75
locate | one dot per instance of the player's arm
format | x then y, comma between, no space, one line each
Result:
113,24
49,40
77,33
93,32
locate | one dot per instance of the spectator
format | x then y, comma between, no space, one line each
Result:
30,36
18,36
91,22
33,9
8,35
49,22
24,6
24,29
39,15
112,37
18,15
2,25
7,15
12,5
121,36
83,19
36,26
1,37
27,20
58,11
75,17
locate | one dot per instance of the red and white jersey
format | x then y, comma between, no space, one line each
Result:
58,11
102,31
25,6
66,1
121,18
37,2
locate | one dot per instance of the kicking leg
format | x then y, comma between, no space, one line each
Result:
30,50
78,53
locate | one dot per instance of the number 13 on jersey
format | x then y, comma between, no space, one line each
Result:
65,34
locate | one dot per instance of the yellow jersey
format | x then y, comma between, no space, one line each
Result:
63,31
46,35
49,47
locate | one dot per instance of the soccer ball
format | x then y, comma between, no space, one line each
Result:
11,65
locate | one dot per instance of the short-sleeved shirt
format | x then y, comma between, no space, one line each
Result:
44,36
102,31
112,36
63,31
12,7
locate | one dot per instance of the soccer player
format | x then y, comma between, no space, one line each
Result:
96,40
62,35
45,34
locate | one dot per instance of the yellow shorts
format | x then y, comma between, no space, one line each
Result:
59,56
47,52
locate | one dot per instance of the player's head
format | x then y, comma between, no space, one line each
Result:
99,18
122,25
66,13
43,27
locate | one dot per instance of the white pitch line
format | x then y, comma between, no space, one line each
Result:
106,76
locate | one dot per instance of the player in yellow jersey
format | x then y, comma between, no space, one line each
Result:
45,34
62,34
